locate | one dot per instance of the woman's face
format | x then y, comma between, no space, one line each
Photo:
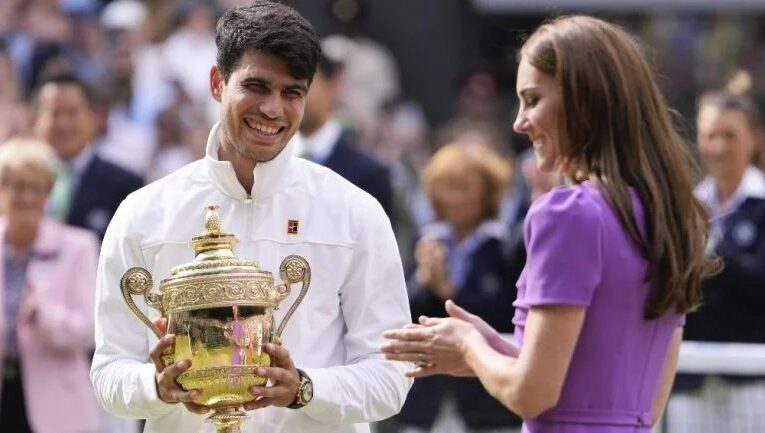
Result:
726,141
461,199
539,111
24,191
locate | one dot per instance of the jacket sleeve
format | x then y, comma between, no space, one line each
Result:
373,299
122,375
69,326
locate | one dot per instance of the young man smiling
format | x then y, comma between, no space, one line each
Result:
277,205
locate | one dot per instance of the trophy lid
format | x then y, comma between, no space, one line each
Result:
216,277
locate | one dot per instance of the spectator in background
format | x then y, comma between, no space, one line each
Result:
88,189
461,257
47,289
14,113
730,139
190,50
324,142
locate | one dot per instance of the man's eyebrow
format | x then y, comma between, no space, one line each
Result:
300,87
256,80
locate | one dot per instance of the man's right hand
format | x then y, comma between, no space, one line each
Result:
168,388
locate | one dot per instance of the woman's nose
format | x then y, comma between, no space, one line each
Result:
521,124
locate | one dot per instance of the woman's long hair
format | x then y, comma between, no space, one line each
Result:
620,133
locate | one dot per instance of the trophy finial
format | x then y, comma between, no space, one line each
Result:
212,219
212,243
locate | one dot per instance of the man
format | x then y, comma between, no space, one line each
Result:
88,189
277,205
324,142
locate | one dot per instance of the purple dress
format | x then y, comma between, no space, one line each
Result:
579,254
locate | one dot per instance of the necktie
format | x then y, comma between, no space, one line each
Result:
61,196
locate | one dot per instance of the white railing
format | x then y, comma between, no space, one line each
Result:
721,358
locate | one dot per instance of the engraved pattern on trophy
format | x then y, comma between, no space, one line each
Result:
221,311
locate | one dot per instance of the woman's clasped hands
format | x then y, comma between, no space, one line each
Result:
440,345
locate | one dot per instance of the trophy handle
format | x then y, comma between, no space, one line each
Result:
293,269
137,281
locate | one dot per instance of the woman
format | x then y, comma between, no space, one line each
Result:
614,260
461,257
47,280
730,134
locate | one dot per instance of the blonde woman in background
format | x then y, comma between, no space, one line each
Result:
47,282
461,256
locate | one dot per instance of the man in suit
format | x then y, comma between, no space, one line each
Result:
324,142
88,189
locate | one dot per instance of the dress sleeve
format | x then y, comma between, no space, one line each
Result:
564,243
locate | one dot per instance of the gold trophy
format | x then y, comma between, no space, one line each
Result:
221,310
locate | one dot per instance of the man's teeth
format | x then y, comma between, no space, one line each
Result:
263,129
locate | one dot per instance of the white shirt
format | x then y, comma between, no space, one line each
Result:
319,145
752,185
357,289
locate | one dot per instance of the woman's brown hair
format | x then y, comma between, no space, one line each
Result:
620,133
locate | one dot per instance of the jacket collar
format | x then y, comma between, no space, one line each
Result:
268,175
752,185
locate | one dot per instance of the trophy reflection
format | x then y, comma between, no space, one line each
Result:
221,310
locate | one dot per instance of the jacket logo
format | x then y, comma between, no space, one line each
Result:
292,227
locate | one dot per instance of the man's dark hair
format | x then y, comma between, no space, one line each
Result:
271,28
66,79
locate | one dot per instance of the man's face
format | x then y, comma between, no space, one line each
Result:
262,105
64,118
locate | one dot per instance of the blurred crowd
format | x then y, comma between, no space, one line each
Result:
98,98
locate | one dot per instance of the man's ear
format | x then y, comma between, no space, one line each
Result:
216,83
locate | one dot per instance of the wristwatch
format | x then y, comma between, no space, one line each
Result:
305,391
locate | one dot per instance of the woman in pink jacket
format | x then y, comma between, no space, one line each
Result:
47,277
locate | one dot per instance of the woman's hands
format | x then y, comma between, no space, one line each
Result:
439,345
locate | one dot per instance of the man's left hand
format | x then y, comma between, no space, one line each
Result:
284,378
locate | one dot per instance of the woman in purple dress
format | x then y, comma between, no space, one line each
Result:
615,259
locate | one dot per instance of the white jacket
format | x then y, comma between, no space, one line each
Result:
357,289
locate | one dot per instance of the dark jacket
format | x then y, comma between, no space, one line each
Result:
362,170
100,191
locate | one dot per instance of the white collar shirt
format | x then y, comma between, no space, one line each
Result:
357,289
752,185
319,146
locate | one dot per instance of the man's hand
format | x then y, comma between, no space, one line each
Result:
165,377
284,378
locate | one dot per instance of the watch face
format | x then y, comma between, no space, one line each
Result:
308,391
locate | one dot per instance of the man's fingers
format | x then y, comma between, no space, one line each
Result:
161,324
179,395
278,375
156,352
280,357
196,408
272,392
172,371
259,403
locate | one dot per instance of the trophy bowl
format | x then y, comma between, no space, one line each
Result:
221,311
